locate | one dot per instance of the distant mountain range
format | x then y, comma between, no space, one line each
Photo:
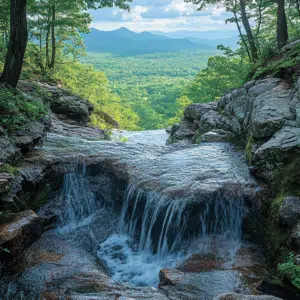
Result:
124,41
211,37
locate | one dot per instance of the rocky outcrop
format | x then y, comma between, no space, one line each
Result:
263,114
67,105
18,232
67,114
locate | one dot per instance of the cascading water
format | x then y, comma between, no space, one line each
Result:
156,232
77,201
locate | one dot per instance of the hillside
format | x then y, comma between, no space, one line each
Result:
206,39
124,41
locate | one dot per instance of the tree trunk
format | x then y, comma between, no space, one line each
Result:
253,48
241,35
282,29
47,47
17,43
298,6
53,41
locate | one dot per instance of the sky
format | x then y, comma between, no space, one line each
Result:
162,15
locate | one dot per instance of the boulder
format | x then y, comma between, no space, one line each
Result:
279,155
184,131
196,110
19,232
233,296
268,107
170,277
290,211
212,120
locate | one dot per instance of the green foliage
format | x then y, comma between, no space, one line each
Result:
198,137
16,110
152,86
289,270
93,85
276,236
221,75
7,168
274,63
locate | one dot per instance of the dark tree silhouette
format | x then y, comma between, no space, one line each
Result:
17,43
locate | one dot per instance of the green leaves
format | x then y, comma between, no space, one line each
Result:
289,270
16,110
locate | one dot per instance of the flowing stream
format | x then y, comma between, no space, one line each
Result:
156,231
124,211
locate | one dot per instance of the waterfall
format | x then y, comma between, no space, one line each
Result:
77,201
157,232
162,225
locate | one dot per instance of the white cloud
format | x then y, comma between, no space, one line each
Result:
162,15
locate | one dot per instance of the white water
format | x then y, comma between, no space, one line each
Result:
155,231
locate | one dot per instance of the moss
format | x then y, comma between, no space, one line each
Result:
198,137
281,65
7,168
249,148
287,177
275,235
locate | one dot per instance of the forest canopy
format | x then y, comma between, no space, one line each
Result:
43,40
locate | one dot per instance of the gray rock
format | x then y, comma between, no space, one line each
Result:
32,135
216,135
290,211
182,132
196,110
213,120
74,130
268,107
7,149
65,104
279,151
203,285
236,107
233,296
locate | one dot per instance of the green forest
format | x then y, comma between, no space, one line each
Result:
45,42
151,85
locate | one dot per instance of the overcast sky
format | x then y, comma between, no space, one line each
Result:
162,15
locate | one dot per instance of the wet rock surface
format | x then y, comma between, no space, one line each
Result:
18,232
262,114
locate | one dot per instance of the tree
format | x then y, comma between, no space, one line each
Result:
231,5
248,30
282,28
17,43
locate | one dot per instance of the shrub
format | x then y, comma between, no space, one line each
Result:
16,110
289,270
